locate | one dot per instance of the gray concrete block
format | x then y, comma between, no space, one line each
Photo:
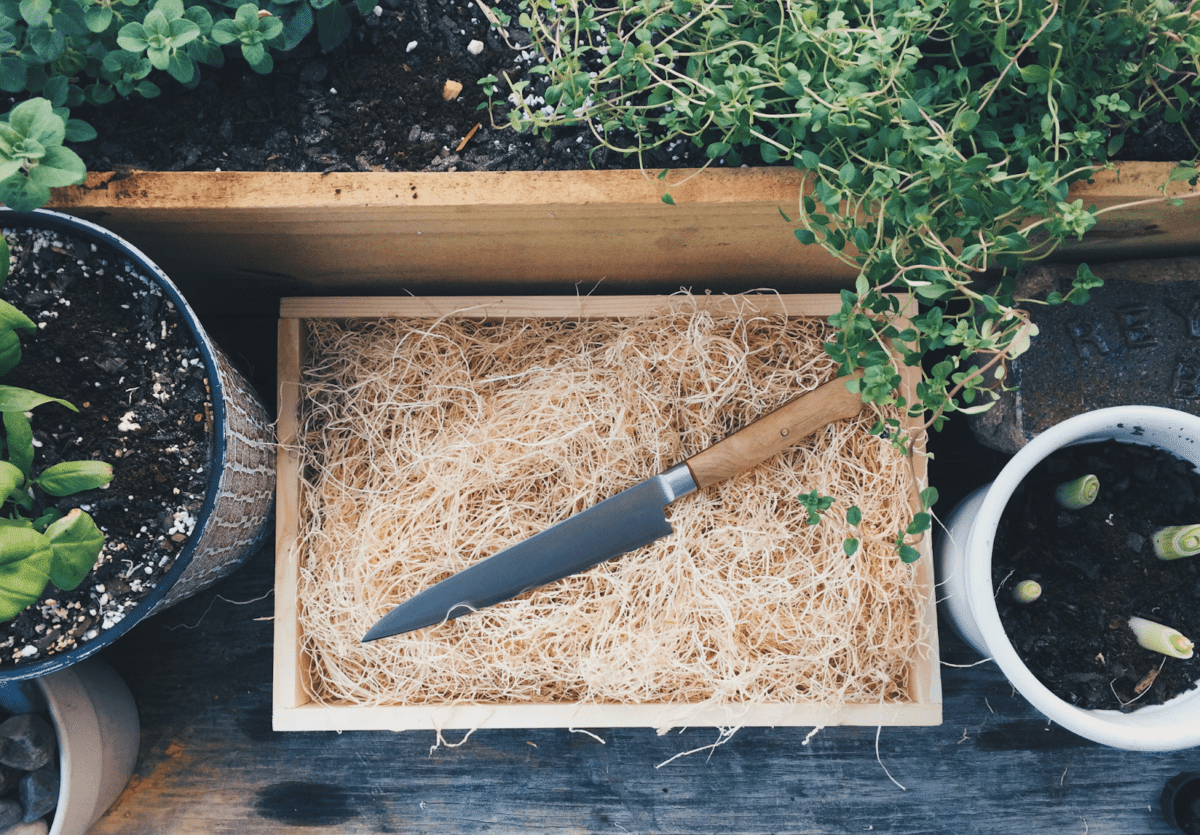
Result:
1137,341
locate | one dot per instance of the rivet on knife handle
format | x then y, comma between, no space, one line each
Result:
775,432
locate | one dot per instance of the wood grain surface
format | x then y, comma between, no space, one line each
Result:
255,236
210,763
772,433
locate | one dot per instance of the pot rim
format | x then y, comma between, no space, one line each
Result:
1146,728
68,224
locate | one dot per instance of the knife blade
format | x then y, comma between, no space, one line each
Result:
622,523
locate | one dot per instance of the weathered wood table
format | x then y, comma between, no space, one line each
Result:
210,763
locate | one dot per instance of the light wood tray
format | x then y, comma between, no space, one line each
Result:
295,710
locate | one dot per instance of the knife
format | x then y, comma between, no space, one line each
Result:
620,524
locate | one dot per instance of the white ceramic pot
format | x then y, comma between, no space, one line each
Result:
964,566
96,721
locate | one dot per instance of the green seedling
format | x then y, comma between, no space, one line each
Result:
162,36
815,504
1079,493
39,544
254,30
33,159
1176,541
90,52
1027,591
1162,639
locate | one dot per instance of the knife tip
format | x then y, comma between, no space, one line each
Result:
379,630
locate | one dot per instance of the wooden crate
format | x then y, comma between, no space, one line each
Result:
295,710
257,236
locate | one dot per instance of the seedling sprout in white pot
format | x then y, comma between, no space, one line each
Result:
964,562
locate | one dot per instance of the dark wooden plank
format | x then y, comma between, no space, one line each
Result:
211,763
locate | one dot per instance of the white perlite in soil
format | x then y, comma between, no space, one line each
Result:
110,343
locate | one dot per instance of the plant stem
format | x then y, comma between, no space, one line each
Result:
1027,591
1078,494
1163,639
1177,541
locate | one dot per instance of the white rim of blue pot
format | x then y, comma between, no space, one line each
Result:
57,221
1171,726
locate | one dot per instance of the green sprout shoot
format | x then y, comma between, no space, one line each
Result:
1163,639
1027,591
1177,541
1078,494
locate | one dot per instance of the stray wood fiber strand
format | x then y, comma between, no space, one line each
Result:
430,444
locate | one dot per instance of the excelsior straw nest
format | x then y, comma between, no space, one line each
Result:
428,445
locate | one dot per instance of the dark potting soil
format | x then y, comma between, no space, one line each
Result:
111,344
375,103
1097,568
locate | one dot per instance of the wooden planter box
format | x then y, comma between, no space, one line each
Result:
237,242
255,237
295,708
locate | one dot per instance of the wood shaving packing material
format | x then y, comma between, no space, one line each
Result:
430,444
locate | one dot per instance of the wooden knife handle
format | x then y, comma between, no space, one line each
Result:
772,433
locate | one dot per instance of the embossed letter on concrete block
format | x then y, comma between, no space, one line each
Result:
1136,342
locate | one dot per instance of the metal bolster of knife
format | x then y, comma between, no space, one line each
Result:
677,481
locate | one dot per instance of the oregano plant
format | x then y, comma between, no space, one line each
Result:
39,543
938,141
72,52
32,157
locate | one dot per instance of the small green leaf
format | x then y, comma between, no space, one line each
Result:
850,546
10,350
132,38
966,121
25,558
35,12
13,399
854,516
908,553
920,522
1035,74
97,17
1183,172
929,497
668,199
18,436
76,543
59,167
69,477
11,480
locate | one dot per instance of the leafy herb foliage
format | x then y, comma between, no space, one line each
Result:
39,544
938,141
64,53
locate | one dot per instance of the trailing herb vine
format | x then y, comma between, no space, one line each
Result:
938,141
